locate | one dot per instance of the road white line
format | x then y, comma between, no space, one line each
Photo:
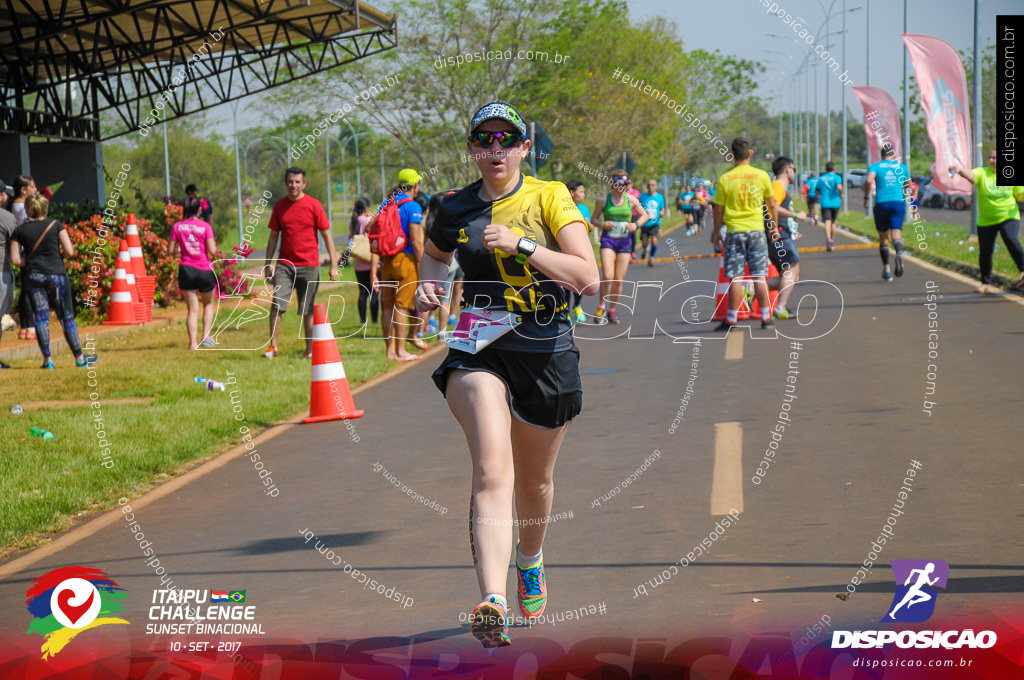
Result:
727,478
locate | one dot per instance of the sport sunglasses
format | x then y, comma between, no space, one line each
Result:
506,140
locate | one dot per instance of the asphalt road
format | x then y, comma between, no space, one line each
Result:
856,421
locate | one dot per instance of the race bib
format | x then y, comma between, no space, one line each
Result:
618,229
478,328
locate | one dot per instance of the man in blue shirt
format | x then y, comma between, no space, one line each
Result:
654,204
399,273
812,197
830,190
888,181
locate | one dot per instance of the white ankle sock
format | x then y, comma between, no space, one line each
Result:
527,561
499,598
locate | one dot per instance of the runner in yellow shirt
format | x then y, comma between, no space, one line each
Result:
739,197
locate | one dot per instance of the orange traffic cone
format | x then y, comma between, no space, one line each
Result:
329,395
122,308
131,231
722,299
721,295
773,295
124,258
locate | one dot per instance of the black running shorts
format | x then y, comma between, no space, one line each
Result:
544,388
190,278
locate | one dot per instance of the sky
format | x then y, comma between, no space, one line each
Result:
950,20
707,24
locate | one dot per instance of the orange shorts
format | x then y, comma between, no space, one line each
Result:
398,280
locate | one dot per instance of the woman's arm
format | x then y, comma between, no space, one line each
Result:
574,266
966,173
433,273
595,219
634,203
65,243
211,248
16,254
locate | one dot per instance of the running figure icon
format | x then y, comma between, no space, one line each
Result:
916,594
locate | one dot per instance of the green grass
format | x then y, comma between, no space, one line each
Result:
947,245
44,484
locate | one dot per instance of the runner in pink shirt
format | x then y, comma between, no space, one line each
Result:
193,238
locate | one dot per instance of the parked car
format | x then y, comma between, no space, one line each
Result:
856,178
930,197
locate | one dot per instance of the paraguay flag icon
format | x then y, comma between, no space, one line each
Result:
218,596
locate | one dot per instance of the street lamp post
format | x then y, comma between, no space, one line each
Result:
867,82
842,196
906,98
238,175
355,136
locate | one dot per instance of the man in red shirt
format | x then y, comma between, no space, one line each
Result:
296,221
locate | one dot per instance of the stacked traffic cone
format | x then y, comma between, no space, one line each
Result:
131,231
124,259
122,307
146,285
722,298
330,397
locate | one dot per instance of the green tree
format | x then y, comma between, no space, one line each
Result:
192,159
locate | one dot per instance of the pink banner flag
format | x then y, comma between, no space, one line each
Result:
881,120
940,76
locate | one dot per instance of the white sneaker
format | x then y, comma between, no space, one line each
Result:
207,342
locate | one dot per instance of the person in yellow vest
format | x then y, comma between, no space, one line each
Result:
998,213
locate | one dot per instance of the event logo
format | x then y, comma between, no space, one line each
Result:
70,600
915,602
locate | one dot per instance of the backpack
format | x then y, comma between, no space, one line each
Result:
386,235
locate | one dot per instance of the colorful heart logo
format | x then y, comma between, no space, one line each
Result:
74,613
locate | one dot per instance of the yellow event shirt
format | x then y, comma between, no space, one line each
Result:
742,191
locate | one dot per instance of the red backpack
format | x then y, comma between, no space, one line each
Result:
386,235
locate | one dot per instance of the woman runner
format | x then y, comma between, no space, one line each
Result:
516,236
193,237
614,216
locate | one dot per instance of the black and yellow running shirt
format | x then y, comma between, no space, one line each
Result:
535,209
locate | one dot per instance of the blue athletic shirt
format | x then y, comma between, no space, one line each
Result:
889,179
828,186
653,204
812,186
585,211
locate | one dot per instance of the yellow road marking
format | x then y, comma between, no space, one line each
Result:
727,478
734,344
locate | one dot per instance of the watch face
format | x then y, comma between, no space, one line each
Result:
527,246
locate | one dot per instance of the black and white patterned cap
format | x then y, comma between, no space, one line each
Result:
500,111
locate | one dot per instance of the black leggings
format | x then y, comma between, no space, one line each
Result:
53,289
366,293
987,242
26,317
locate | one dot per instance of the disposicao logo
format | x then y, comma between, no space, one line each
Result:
70,600
913,602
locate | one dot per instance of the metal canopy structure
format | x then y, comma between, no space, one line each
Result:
64,62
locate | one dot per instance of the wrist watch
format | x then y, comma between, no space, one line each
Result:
526,248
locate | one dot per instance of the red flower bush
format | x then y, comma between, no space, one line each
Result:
91,270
